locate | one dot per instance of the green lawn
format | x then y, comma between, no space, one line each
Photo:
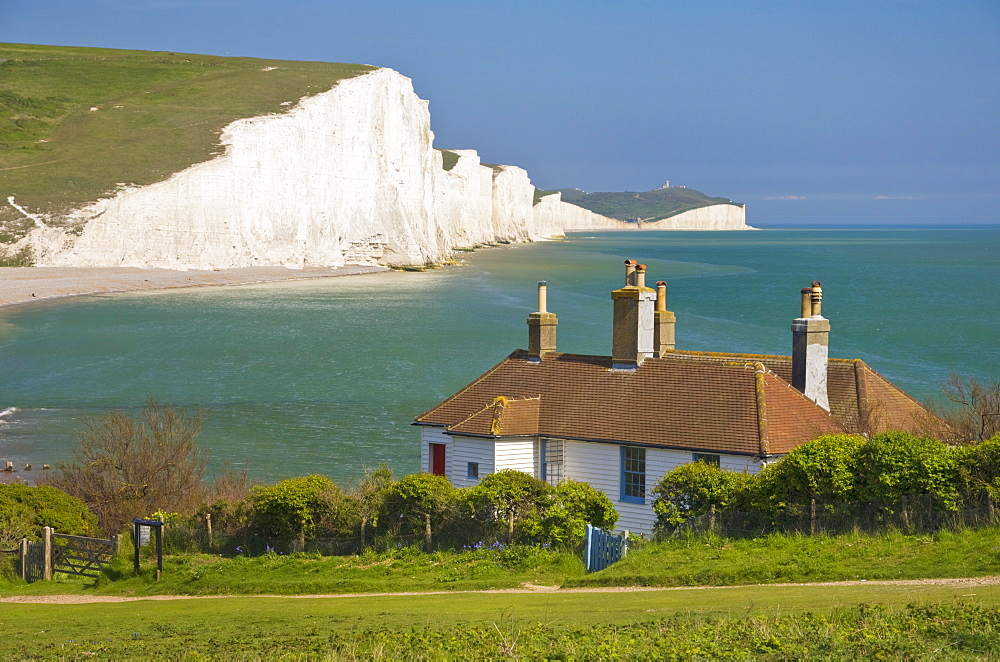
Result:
864,620
705,560
76,122
779,622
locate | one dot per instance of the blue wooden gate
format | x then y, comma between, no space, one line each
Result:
602,548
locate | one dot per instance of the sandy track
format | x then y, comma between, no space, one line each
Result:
27,284
962,583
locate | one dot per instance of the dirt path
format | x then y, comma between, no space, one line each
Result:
957,583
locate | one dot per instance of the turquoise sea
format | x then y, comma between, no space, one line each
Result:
326,376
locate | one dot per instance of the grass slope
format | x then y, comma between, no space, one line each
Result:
864,622
649,206
709,560
156,114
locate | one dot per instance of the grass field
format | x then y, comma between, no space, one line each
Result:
77,122
708,560
775,622
954,620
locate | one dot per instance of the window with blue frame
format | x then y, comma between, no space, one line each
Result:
633,479
552,453
472,470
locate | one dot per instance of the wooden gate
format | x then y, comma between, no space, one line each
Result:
59,552
76,555
32,561
602,548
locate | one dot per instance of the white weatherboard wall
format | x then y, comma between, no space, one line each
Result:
348,176
600,465
470,449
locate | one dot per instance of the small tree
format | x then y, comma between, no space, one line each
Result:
293,507
511,495
367,499
422,499
130,467
973,409
693,489
562,517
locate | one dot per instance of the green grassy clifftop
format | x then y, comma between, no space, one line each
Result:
75,123
649,206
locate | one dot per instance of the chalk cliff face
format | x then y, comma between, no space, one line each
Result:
346,177
713,217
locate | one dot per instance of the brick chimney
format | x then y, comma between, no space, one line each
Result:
541,327
664,322
632,335
810,347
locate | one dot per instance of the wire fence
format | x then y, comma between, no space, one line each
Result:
914,514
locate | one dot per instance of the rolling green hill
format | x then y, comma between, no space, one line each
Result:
75,123
650,206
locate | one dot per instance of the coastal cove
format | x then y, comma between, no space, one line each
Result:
325,375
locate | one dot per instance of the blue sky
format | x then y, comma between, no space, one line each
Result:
809,111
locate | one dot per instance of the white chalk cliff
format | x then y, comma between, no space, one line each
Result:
349,176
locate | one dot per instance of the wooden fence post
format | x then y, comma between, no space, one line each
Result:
812,516
23,547
711,518
208,523
47,553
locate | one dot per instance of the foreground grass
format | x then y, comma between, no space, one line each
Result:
762,622
778,558
75,122
403,570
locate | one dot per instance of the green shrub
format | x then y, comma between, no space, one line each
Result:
825,469
421,502
692,489
510,497
563,517
293,507
892,465
24,510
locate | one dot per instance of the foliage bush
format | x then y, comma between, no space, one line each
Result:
509,498
294,507
24,510
420,502
564,515
841,476
693,489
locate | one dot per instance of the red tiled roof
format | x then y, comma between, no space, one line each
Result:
724,405
861,399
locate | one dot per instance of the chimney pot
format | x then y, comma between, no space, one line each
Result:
661,295
817,298
630,272
806,302
640,275
541,327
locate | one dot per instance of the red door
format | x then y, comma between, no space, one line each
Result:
437,459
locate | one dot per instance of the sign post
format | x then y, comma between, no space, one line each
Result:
138,540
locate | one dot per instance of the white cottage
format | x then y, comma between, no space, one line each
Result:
620,422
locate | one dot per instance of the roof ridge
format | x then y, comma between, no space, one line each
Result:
760,389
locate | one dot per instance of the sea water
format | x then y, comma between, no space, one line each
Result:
326,376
